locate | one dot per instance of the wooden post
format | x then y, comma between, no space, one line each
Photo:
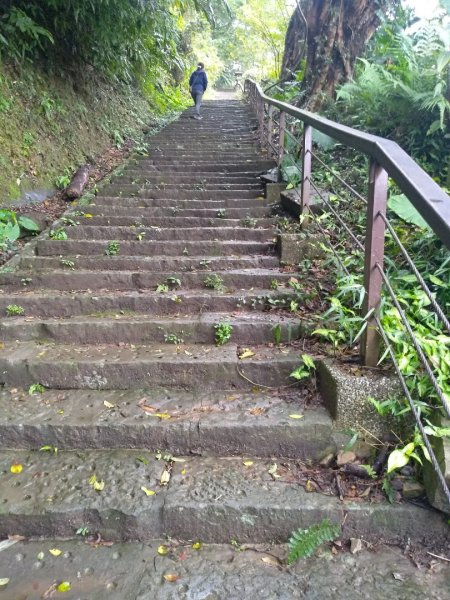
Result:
306,171
374,253
282,126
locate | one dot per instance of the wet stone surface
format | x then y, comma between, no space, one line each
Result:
138,572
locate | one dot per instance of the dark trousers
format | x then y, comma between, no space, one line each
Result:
197,98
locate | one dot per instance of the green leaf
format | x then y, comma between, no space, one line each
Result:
397,460
304,542
403,208
28,224
308,361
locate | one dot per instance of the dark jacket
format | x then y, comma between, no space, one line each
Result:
198,81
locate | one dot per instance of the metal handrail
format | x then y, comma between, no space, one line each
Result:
424,193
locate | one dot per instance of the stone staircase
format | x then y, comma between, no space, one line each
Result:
130,370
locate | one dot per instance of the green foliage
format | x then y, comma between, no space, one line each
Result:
14,310
214,282
112,248
58,234
304,542
12,226
402,207
36,388
306,368
174,338
401,92
223,333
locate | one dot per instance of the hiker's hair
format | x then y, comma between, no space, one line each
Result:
201,65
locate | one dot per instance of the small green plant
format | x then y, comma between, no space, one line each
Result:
223,333
274,284
69,222
304,542
36,388
221,213
65,262
14,310
249,222
185,252
140,236
112,248
83,531
204,264
162,288
58,234
214,282
173,338
173,282
306,369
26,281
62,181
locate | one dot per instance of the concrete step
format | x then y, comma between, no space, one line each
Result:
103,304
138,202
155,264
112,367
237,279
208,180
247,329
170,210
174,221
204,167
137,177
144,191
218,423
208,499
45,247
189,234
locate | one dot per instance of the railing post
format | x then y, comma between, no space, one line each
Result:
306,170
261,121
282,128
270,129
374,253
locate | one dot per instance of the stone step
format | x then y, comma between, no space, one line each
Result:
107,232
46,247
170,210
138,202
137,177
247,329
208,499
203,167
103,304
209,181
144,191
237,279
218,423
155,264
178,222
112,367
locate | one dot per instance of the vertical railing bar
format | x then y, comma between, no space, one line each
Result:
306,171
374,255
270,127
282,128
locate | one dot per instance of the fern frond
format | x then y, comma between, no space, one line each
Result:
304,542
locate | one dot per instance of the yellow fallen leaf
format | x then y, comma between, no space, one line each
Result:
272,561
309,486
109,404
147,491
296,416
246,353
16,468
55,551
165,477
247,463
163,550
162,415
64,586
87,216
171,577
96,484
183,471
197,545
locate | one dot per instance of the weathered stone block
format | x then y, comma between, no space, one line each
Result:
435,493
294,247
346,392
273,192
291,201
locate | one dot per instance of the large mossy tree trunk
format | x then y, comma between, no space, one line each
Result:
333,34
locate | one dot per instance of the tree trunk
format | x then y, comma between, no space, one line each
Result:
78,183
337,32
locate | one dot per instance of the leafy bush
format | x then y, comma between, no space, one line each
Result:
13,226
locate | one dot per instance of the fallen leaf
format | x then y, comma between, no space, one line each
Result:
165,477
64,586
258,410
162,415
296,416
197,545
87,216
309,487
398,576
146,407
271,561
147,491
247,463
163,550
50,591
16,468
273,471
183,471
96,484
40,556
142,459
55,551
171,577
109,404
246,353
4,582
